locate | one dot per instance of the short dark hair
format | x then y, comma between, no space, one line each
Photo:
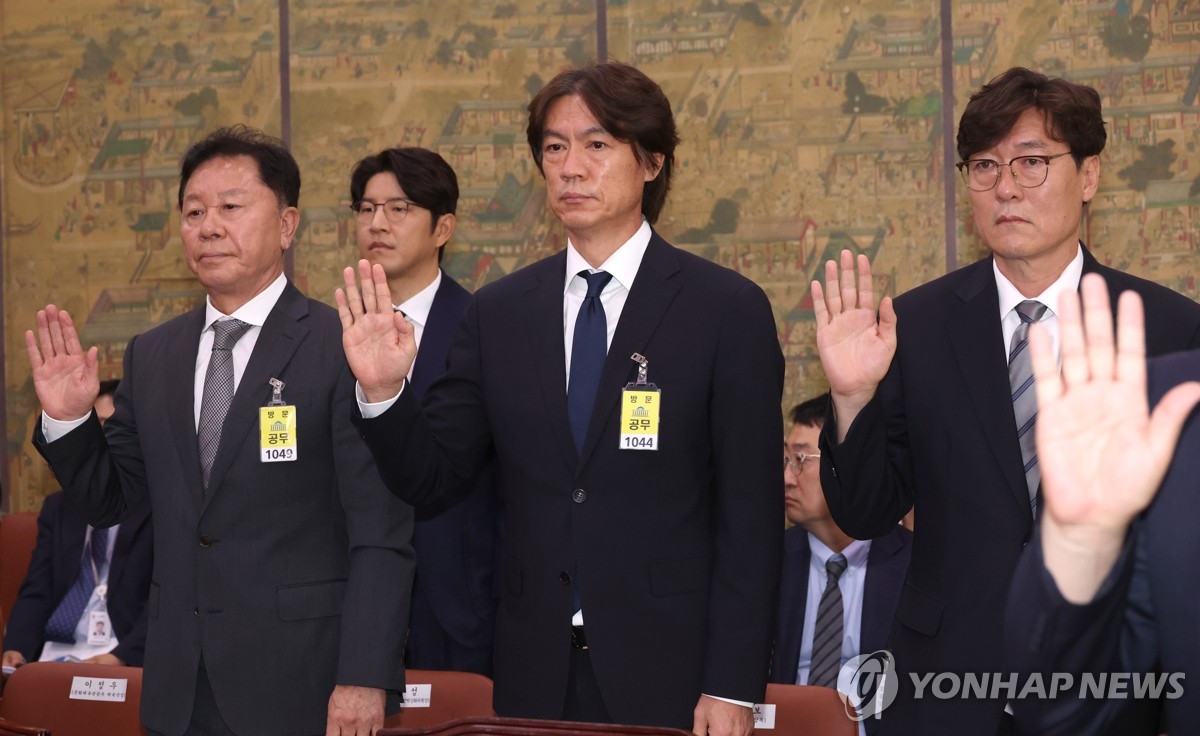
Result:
811,413
631,107
276,167
424,176
108,387
1072,113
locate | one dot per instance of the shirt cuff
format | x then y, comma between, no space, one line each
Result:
369,410
742,703
53,429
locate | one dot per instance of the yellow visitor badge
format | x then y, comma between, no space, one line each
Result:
641,403
277,428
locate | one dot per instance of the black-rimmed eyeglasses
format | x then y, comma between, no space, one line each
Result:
982,174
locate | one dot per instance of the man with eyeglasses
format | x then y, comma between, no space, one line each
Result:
404,200
867,575
932,400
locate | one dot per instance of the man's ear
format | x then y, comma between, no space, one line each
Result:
653,166
444,228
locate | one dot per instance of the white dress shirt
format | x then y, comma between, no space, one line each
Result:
1068,280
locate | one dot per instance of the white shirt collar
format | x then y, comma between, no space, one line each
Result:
253,312
622,264
416,308
855,553
1068,280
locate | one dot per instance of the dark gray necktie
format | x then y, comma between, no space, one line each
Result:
218,391
1024,398
827,633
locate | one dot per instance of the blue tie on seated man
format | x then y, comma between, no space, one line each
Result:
84,596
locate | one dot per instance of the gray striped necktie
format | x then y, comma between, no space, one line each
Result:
827,633
218,391
1024,398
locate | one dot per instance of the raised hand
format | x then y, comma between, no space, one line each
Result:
1102,452
856,348
380,345
65,377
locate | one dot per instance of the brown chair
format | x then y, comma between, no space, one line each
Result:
13,729
40,695
802,710
526,727
452,695
18,537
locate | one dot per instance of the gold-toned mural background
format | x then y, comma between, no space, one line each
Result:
808,126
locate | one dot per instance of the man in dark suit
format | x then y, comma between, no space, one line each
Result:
925,410
57,565
1104,587
282,566
641,555
404,200
872,571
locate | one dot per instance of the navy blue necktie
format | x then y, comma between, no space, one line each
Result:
588,350
62,623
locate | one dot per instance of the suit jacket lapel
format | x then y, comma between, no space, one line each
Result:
283,331
793,596
181,394
435,339
653,291
976,338
543,315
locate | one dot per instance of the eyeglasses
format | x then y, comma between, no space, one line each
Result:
394,210
796,460
982,174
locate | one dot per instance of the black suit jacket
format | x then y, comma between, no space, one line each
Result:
55,566
286,578
941,433
455,546
676,552
1144,618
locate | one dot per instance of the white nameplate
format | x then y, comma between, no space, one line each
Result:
99,688
417,696
764,716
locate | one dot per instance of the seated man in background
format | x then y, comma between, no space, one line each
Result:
837,595
84,596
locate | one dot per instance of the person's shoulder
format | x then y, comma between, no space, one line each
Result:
961,283
551,268
1154,295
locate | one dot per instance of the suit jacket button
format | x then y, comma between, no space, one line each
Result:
196,610
564,577
579,495
205,541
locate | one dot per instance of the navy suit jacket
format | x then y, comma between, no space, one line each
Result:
1144,619
286,578
675,552
55,566
887,563
940,432
455,546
